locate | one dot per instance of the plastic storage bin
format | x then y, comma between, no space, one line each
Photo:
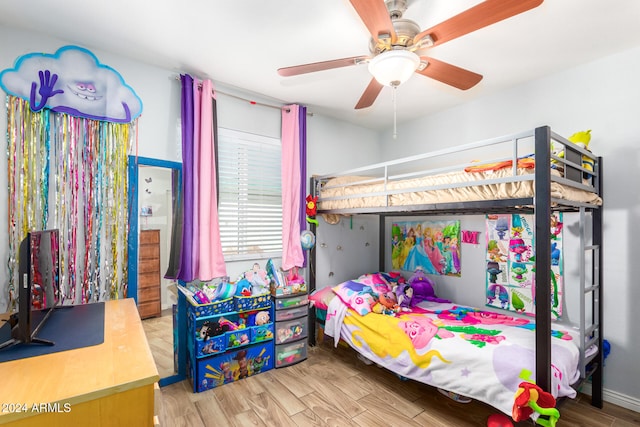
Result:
288,354
292,313
290,302
291,330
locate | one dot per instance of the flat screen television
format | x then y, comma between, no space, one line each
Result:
39,282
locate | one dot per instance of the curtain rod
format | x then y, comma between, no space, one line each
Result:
250,101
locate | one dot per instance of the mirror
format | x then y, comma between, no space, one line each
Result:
154,186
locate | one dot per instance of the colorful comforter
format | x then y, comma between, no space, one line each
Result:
480,354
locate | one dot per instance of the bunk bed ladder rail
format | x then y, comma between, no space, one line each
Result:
596,288
591,332
591,367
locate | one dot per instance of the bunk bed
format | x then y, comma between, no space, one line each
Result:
536,172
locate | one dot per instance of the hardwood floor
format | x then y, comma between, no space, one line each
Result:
160,337
333,388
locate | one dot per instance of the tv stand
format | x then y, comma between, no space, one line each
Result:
120,391
18,336
34,335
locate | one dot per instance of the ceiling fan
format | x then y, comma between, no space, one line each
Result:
395,41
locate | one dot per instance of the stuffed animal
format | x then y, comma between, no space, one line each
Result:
387,304
262,318
259,280
211,328
243,288
422,287
581,139
404,295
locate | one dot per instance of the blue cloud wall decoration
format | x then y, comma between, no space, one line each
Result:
74,82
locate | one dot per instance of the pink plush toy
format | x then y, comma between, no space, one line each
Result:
422,287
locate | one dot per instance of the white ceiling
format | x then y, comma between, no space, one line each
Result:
241,43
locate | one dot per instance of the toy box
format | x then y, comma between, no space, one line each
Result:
262,332
211,309
252,302
205,347
231,366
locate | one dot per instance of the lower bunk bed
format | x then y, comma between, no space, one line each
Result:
466,351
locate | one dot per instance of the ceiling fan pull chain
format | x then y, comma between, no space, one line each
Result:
395,132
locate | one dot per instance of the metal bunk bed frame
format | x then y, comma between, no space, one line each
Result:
541,205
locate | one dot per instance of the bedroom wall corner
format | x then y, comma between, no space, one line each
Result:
346,250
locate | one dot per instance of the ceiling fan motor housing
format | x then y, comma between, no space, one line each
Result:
405,30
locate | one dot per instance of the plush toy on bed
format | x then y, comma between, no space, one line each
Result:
581,139
386,304
422,287
404,295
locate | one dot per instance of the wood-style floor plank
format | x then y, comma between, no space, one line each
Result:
334,388
281,394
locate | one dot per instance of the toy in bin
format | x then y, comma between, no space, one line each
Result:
289,332
288,357
285,283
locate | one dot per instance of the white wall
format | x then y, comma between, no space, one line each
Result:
602,96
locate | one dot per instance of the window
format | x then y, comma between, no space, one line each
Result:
250,193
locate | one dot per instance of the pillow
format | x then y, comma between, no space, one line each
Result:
357,296
376,281
322,297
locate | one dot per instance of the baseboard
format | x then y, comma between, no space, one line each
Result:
615,398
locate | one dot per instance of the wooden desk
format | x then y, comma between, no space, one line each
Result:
111,384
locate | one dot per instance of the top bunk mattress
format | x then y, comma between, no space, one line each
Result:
354,192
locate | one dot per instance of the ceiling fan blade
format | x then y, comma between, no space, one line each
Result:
376,17
450,74
370,94
320,66
480,16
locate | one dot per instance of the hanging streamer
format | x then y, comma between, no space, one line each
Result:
28,178
87,162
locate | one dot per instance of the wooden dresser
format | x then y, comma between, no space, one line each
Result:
105,385
149,274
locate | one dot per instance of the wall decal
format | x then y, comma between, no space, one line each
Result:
74,82
511,263
432,245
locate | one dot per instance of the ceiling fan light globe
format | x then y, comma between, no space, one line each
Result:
394,67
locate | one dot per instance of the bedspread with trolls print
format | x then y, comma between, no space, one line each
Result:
481,354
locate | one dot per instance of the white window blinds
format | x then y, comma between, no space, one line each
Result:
250,208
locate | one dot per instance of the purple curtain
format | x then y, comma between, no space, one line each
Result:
195,224
185,271
302,123
200,248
